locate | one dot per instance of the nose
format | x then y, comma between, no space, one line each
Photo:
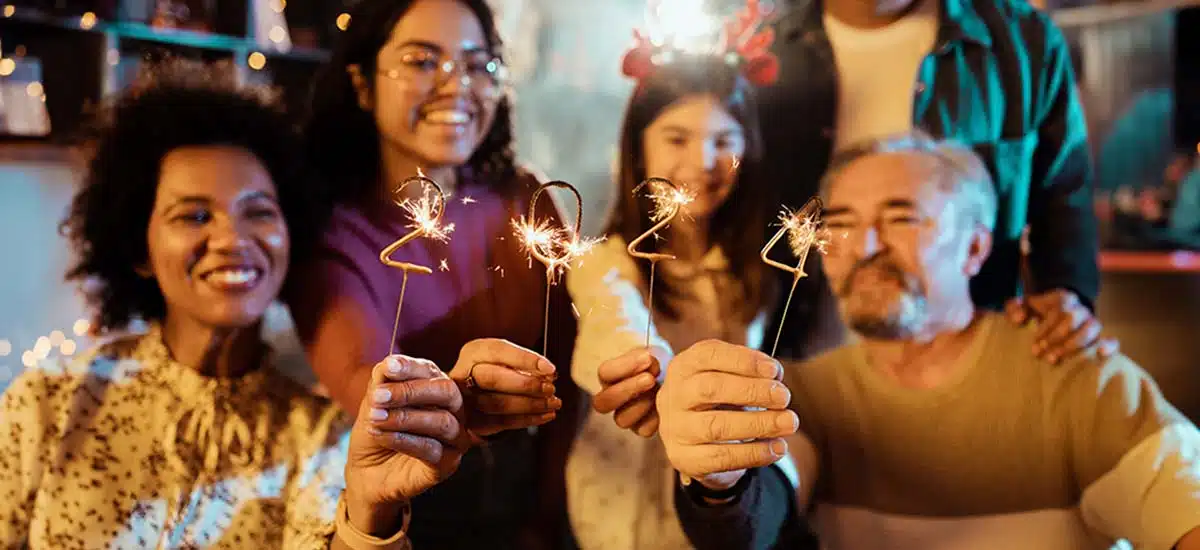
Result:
228,236
452,78
868,244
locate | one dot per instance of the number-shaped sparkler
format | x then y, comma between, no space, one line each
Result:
554,245
425,215
804,231
668,200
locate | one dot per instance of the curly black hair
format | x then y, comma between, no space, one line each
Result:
342,139
173,104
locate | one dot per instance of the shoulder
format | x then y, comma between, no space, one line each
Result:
818,379
1017,19
50,382
607,263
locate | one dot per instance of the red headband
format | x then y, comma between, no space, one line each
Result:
741,43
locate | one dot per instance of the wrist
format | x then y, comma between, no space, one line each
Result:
377,520
720,490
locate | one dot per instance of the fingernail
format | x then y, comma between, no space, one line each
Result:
646,380
780,394
547,388
768,368
778,447
393,364
788,421
545,367
374,431
378,414
546,418
554,403
381,395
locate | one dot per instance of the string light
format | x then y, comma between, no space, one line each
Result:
87,21
257,61
343,21
57,337
67,347
28,359
9,10
7,66
81,327
5,348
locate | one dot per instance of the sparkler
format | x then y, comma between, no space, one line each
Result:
553,245
804,231
425,214
668,200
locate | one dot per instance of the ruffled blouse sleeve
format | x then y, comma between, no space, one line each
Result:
610,298
28,432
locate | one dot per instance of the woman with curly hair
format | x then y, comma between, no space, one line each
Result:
419,85
191,213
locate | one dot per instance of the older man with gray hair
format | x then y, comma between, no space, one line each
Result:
939,427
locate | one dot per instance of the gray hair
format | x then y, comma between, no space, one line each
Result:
964,175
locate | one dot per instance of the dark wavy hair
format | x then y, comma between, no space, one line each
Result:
174,104
739,225
343,140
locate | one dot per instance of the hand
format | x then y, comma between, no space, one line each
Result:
504,386
1067,326
629,385
406,439
706,430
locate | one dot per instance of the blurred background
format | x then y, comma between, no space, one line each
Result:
1137,62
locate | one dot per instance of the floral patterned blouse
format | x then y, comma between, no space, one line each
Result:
125,448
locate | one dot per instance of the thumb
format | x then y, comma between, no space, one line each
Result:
1017,311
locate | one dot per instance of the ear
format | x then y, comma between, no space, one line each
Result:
979,247
361,89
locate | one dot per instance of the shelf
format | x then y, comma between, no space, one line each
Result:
176,37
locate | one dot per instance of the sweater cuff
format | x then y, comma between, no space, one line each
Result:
752,520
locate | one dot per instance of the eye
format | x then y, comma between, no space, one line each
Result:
482,66
902,220
838,224
421,61
193,217
678,141
262,213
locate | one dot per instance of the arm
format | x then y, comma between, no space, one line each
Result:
1137,459
612,313
26,430
1063,236
332,305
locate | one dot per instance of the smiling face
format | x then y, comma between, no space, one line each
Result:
218,245
697,143
902,251
437,86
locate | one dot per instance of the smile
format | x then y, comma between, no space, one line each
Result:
238,278
448,117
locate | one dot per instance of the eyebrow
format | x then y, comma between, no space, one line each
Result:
682,130
436,47
185,200
891,203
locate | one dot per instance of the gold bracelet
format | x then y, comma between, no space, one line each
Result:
358,540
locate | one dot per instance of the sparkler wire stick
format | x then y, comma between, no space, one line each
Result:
803,231
668,203
426,213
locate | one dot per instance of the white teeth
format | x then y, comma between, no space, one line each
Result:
447,116
233,276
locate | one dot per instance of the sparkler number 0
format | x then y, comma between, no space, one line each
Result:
554,253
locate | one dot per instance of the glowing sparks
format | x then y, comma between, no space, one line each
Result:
668,199
425,213
444,265
804,232
468,200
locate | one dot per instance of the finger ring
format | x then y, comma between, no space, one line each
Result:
470,381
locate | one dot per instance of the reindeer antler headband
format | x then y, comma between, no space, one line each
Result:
742,43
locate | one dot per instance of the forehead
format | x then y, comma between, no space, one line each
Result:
214,171
447,24
881,177
696,113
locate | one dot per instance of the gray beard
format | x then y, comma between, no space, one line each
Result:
903,322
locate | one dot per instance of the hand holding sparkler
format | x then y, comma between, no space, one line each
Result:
425,214
804,231
553,245
668,200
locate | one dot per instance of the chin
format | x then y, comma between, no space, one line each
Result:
236,316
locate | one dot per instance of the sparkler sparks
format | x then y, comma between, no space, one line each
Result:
553,245
425,214
668,200
804,232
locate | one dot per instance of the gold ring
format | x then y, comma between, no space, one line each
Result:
470,381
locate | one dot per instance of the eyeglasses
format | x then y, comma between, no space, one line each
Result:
891,229
483,72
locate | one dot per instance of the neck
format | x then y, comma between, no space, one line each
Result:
398,166
865,14
688,239
930,357
214,352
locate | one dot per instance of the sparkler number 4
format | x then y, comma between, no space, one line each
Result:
804,231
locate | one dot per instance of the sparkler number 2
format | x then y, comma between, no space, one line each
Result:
425,214
669,201
804,231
